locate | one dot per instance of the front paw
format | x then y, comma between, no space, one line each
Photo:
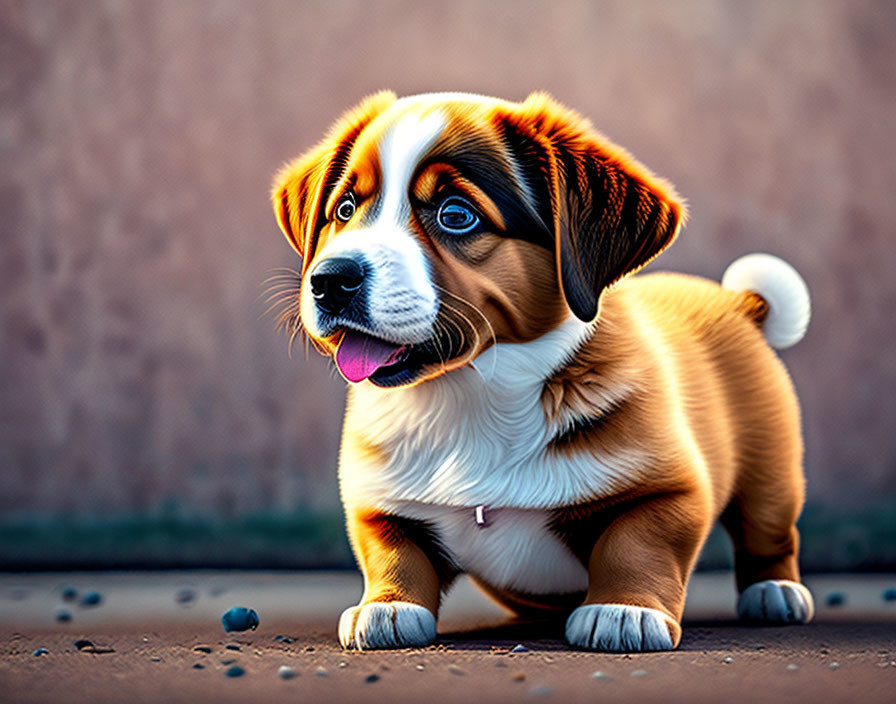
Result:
396,624
618,628
776,601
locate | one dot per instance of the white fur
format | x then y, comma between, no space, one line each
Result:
515,549
776,601
402,301
618,628
459,441
396,624
782,288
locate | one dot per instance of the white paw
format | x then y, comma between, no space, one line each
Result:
396,624
618,628
776,601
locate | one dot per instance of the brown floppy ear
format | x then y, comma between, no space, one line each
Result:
611,216
295,195
302,186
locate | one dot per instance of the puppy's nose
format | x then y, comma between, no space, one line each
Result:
335,282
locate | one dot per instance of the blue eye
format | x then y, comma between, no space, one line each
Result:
457,216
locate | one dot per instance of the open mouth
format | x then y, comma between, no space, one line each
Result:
361,356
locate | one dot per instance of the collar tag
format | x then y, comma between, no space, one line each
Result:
479,512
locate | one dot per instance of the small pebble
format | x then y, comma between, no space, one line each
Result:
198,666
889,595
184,596
518,676
419,667
284,639
69,593
91,599
834,665
321,672
600,675
40,651
228,661
540,690
239,618
343,663
201,649
156,658
372,678
85,646
233,646
519,648
639,673
728,660
235,671
835,599
455,670
63,616
792,667
286,672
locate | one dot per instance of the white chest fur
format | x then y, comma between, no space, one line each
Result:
514,550
464,440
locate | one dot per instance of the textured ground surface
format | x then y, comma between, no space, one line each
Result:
146,630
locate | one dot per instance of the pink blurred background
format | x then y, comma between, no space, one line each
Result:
139,140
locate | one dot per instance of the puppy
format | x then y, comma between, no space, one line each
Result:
520,408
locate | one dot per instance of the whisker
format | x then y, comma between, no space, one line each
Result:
474,309
286,270
456,325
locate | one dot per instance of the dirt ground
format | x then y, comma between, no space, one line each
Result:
157,637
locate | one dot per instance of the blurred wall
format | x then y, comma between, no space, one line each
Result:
137,145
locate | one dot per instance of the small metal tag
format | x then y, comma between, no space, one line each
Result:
479,512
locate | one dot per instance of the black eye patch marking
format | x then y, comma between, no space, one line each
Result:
478,161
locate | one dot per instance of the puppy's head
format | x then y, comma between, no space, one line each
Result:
433,226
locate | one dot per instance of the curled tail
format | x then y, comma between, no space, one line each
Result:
782,288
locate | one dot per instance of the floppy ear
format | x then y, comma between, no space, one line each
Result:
296,192
611,215
301,187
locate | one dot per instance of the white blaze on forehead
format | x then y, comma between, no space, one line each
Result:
401,148
401,300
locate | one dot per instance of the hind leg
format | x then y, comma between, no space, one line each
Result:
761,520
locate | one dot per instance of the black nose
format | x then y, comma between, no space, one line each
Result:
335,282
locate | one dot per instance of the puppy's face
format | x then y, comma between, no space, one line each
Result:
434,226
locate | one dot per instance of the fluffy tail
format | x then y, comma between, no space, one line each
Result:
782,288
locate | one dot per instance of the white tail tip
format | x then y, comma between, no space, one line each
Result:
782,288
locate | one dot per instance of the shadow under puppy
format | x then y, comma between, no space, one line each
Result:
522,410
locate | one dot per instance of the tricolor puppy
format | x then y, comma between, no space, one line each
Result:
521,409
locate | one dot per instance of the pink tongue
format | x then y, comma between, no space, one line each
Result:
358,355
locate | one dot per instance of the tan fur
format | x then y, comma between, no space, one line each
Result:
395,568
715,407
